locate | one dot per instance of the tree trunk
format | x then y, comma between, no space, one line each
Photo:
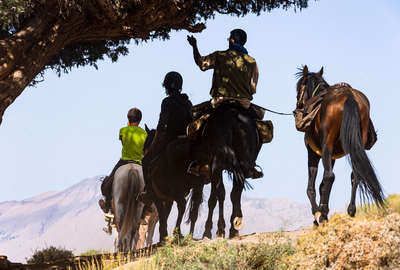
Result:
27,52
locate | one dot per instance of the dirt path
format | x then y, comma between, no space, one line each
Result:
267,237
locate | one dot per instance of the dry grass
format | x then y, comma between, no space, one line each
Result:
369,241
221,254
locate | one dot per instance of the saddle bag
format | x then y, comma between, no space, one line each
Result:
304,119
195,126
266,130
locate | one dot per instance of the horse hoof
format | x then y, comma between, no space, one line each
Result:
220,235
237,223
351,211
233,233
317,217
207,235
315,224
322,220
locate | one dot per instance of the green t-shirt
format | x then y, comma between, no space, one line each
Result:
133,139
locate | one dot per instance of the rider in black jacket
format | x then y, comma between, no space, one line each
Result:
175,115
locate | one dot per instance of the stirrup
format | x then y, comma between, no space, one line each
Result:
254,174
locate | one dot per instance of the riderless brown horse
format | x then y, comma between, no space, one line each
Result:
342,126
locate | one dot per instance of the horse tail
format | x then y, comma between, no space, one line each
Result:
195,200
135,186
350,137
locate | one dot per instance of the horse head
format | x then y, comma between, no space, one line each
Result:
151,133
309,85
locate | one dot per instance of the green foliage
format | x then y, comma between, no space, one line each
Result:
221,254
13,14
50,254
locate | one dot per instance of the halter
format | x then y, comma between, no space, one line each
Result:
316,89
302,91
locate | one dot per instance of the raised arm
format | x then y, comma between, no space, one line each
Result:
204,62
196,54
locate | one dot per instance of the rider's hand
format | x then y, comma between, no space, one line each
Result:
192,40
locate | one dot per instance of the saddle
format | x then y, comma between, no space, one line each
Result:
304,117
202,112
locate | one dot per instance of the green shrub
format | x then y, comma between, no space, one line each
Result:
50,254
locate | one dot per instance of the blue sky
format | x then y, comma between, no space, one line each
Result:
66,129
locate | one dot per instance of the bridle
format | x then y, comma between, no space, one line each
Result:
300,100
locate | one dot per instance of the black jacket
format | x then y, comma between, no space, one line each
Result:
176,114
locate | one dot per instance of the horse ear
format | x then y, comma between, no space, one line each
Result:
305,71
321,71
146,128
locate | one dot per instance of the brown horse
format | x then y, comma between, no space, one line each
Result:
342,126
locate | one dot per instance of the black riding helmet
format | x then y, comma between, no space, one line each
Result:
172,82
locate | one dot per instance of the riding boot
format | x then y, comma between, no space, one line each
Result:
254,173
104,206
106,186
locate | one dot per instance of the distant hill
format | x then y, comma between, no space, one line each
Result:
72,219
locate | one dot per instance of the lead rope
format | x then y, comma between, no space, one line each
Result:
278,112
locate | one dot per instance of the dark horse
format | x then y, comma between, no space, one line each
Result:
342,126
170,182
229,142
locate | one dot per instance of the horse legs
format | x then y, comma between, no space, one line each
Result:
119,216
221,220
351,210
163,209
196,200
236,218
152,225
313,161
212,201
326,185
181,203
